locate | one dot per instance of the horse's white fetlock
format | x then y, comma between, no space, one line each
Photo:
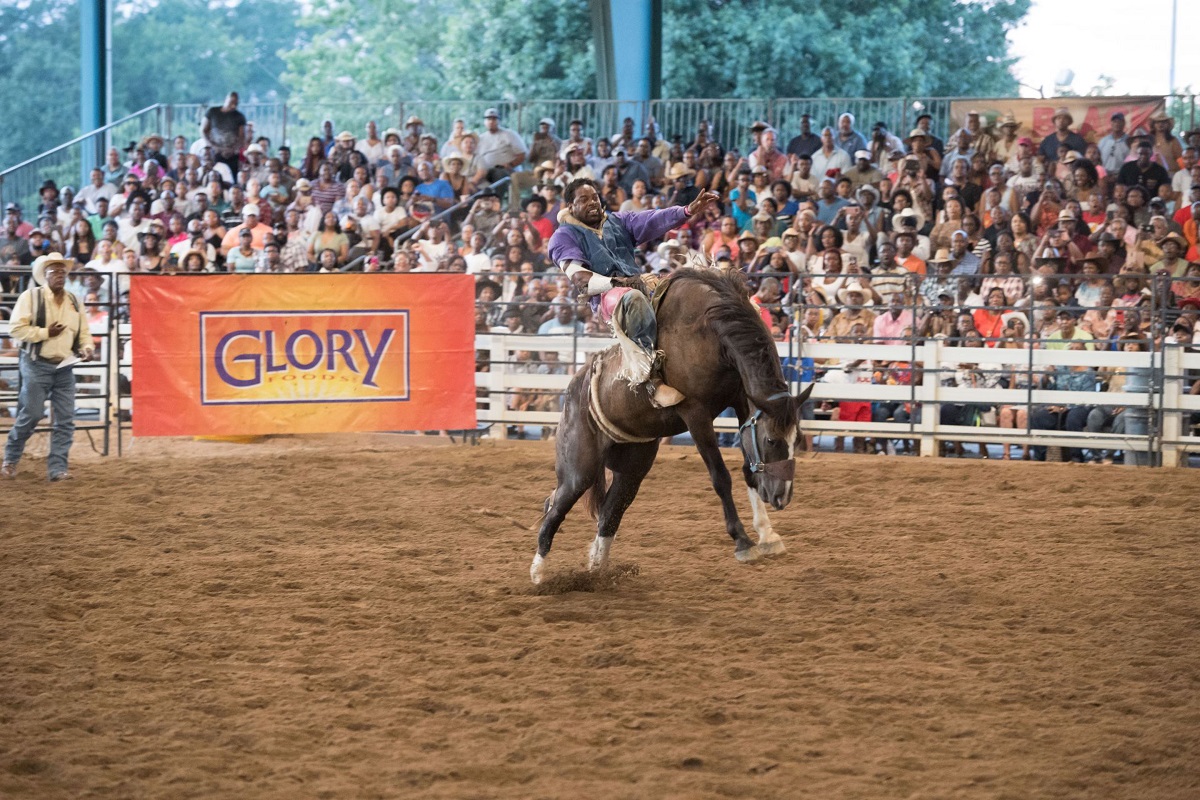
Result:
598,553
537,569
769,542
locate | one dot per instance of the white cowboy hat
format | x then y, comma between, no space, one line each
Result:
843,295
42,263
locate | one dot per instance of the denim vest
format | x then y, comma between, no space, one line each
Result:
610,257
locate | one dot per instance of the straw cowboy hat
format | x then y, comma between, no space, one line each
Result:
680,170
942,256
1007,120
1163,116
916,133
454,155
820,291
1063,112
1177,239
413,120
345,136
42,263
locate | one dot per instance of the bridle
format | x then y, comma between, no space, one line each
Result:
783,469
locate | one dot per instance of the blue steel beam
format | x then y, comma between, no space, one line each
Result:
95,79
628,42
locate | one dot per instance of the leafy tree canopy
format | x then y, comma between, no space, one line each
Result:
338,51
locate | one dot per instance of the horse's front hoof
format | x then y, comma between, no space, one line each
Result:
774,547
537,569
749,555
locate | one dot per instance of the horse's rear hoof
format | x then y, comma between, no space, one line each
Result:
537,569
749,555
775,547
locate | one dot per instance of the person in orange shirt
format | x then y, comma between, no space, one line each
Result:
1191,233
905,242
990,321
250,222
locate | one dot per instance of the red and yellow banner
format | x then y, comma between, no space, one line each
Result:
255,354
1091,116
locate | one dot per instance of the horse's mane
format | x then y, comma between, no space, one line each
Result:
745,341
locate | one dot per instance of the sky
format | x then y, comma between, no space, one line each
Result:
1129,40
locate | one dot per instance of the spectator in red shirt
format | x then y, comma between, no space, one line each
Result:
535,209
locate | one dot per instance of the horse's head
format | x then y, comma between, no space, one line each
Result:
769,438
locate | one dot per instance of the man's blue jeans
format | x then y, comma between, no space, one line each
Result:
41,380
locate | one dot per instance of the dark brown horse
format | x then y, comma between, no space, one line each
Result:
719,355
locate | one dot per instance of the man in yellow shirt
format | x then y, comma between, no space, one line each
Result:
52,327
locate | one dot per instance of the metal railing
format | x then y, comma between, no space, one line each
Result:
97,381
295,123
68,163
1160,425
508,383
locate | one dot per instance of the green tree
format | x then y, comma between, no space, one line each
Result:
39,77
184,51
165,51
506,50
447,50
856,48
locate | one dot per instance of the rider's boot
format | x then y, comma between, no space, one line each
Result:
636,330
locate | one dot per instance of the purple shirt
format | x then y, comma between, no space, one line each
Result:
643,226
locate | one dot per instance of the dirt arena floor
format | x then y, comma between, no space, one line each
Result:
352,618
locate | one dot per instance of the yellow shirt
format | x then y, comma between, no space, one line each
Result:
76,336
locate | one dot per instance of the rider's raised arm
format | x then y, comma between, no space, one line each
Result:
646,226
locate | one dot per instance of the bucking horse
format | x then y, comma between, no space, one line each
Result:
718,354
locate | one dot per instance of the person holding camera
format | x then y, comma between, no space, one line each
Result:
52,327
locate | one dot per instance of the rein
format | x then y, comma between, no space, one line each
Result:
756,463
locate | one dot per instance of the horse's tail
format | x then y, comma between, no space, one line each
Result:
595,495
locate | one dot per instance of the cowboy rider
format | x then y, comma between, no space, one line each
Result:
596,251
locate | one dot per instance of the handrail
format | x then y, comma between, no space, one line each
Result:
408,234
79,139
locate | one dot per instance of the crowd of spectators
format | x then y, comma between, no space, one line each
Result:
984,238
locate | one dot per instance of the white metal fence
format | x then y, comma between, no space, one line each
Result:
1167,401
102,402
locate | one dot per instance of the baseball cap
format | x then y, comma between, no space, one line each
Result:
491,112
250,210
863,154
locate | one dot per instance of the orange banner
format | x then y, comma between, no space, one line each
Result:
1091,116
231,355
